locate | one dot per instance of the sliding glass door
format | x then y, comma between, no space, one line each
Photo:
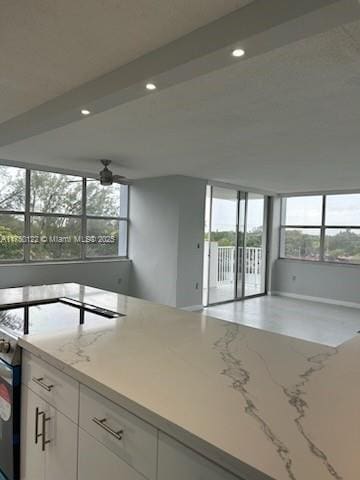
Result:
255,245
222,245
235,245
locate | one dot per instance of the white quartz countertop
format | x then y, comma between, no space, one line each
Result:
260,404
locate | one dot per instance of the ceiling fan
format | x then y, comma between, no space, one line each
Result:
106,176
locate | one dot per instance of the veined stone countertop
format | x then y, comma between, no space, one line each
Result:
260,404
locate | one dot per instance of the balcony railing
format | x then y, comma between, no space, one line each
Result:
226,264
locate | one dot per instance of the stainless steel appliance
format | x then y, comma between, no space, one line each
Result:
15,321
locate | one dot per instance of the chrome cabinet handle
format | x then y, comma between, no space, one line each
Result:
102,423
37,434
44,442
41,435
40,381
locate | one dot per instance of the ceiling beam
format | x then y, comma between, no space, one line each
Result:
261,26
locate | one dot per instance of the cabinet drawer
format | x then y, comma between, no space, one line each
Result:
130,438
177,462
57,388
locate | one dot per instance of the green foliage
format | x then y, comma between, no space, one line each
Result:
300,245
55,193
228,238
344,246
102,201
12,188
11,248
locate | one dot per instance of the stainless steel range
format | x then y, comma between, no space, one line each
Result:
35,318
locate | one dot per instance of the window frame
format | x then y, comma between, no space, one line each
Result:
84,217
322,227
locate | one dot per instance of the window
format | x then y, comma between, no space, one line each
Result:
55,216
46,216
106,210
12,213
321,228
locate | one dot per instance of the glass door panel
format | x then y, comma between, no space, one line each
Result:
206,258
240,284
222,258
255,245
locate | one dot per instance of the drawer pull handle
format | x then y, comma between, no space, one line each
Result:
40,381
102,423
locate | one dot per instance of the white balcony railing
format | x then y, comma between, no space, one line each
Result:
226,265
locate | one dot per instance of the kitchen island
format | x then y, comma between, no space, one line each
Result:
199,397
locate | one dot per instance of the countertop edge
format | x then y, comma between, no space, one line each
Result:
200,446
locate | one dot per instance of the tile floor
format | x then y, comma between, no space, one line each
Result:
316,322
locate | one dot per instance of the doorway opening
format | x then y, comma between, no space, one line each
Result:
235,245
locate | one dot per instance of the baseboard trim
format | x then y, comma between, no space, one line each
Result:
329,301
192,308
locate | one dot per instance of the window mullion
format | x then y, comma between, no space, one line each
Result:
83,220
322,231
27,215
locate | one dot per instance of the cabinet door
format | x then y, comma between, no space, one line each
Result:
62,449
97,462
32,457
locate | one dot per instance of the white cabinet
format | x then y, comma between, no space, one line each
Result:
55,387
61,452
97,462
70,432
177,462
48,441
32,456
121,432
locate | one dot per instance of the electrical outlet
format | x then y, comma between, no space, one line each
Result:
197,286
294,278
119,281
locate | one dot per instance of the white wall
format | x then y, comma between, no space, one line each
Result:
166,239
109,275
191,197
153,240
323,280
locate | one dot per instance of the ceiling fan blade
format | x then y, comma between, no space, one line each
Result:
121,180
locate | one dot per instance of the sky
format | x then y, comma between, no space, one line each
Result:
341,210
224,211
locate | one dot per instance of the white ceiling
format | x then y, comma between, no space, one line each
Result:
51,46
285,121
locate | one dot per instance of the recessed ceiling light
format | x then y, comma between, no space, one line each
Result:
150,86
84,111
238,52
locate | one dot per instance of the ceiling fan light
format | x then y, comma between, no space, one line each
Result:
106,183
106,177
